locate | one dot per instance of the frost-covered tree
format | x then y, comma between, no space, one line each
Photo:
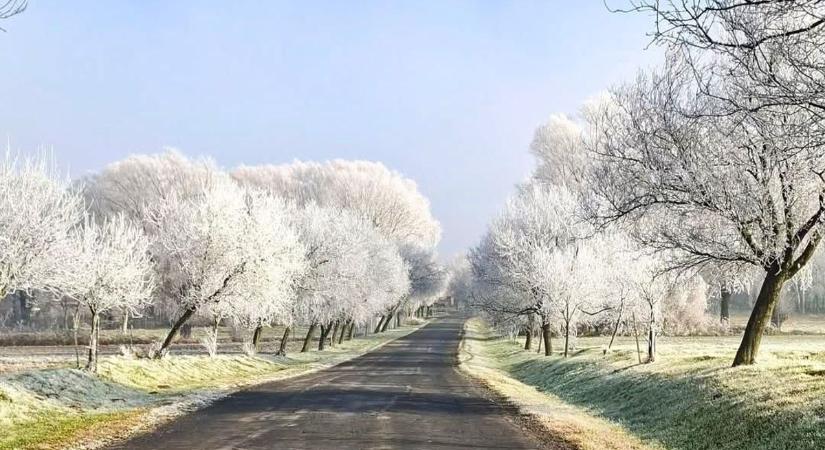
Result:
540,219
714,190
388,200
721,155
219,247
110,270
337,267
36,214
135,184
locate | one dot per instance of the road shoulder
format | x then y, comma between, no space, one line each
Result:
556,423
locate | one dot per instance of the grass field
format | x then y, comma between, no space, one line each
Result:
690,398
57,408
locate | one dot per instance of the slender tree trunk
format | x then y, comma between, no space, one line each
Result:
351,330
308,338
174,331
651,342
724,305
335,329
762,311
528,333
547,335
528,339
325,329
343,332
636,333
91,364
125,322
566,338
216,324
380,323
616,326
284,341
75,326
387,321
256,337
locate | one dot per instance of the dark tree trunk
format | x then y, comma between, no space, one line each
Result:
335,329
528,331
651,342
284,341
309,336
528,339
256,338
174,331
547,335
724,305
763,309
616,326
387,321
566,338
322,343
351,330
91,364
380,324
343,332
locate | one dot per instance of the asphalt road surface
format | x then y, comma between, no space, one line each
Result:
405,395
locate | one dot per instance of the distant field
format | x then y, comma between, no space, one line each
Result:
690,398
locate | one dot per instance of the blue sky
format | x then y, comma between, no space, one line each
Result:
446,92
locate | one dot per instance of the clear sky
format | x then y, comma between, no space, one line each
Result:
446,92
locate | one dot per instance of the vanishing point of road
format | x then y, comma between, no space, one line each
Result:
406,395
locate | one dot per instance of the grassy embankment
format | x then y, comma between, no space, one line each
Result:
690,398
59,408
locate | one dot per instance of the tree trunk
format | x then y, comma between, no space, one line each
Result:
351,330
91,364
256,337
547,335
528,331
387,321
284,341
335,329
651,342
75,326
308,338
322,343
762,311
380,323
125,322
343,332
528,339
616,327
174,331
216,324
566,337
636,333
724,305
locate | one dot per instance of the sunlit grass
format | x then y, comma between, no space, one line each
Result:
690,398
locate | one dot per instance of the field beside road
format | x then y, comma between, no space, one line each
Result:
61,407
690,398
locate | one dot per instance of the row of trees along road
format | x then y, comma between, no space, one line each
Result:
329,245
711,166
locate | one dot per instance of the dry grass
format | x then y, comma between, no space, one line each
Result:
561,422
690,398
57,407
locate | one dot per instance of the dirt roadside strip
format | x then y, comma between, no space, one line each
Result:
559,424
145,419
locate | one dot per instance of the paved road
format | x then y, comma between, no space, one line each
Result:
406,395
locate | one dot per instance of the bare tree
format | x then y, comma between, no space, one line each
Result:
12,8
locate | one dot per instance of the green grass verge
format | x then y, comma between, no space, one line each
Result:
689,398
